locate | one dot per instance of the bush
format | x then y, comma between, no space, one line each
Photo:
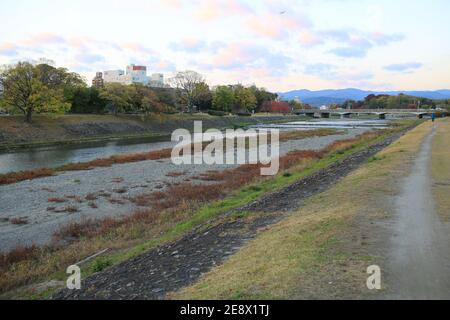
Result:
217,113
244,114
101,264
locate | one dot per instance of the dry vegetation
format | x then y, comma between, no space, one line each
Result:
19,221
440,161
15,177
302,134
162,212
9,178
321,251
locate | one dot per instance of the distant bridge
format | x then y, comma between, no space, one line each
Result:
347,113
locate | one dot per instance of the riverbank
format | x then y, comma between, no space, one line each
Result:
131,235
109,187
323,249
51,130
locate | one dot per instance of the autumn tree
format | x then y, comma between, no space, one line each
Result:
27,89
245,100
295,105
118,97
262,95
276,107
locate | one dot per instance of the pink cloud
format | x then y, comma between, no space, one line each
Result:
234,53
275,26
43,38
212,10
137,47
191,43
309,39
8,46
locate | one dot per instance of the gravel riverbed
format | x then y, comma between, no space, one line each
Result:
27,217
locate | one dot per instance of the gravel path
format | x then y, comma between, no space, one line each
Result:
419,256
108,188
173,266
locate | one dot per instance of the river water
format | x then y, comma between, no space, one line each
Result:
55,156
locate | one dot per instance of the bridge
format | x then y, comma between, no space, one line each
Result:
347,113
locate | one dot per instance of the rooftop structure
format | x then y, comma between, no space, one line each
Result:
134,74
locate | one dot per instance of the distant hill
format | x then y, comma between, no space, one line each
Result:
321,97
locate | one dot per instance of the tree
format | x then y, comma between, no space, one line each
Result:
262,95
87,100
295,105
245,100
118,97
276,107
25,90
223,99
202,96
186,83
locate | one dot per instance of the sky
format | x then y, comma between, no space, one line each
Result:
280,45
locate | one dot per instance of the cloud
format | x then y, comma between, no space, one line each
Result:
188,45
136,47
163,66
350,52
357,44
89,58
240,55
43,39
383,39
276,26
323,70
212,10
8,49
309,39
403,67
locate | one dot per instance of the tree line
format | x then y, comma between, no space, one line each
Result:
400,101
31,89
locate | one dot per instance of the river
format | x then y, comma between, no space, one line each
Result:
55,156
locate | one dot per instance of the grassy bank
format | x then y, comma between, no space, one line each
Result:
148,228
440,162
322,251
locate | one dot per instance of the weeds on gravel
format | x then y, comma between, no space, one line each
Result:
166,216
18,254
121,190
24,175
175,174
9,178
18,221
192,195
56,200
91,197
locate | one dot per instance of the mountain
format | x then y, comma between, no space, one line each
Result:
321,97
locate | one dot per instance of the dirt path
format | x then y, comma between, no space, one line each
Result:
419,258
177,265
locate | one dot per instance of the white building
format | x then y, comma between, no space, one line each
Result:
114,76
157,80
133,74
